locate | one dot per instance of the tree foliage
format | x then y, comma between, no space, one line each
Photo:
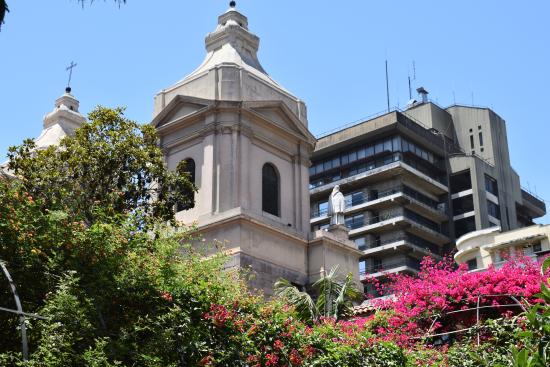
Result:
111,165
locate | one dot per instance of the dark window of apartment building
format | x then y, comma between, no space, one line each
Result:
491,185
369,151
471,141
420,197
480,138
479,127
464,204
353,156
320,209
537,247
472,264
493,209
422,220
361,243
270,189
461,181
377,264
362,267
464,225
373,194
374,218
355,198
355,221
421,242
361,153
191,170
387,146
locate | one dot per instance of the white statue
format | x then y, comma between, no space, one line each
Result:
336,206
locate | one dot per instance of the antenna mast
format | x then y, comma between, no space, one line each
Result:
387,87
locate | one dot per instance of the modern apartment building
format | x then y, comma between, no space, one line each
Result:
491,246
416,180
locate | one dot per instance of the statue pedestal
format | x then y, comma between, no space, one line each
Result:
340,231
331,247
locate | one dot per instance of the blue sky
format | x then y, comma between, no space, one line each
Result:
329,53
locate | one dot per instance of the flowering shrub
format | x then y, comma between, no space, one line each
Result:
422,303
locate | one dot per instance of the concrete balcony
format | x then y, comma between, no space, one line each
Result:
404,244
395,221
408,265
535,206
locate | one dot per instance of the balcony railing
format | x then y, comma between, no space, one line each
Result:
413,240
409,262
354,201
407,214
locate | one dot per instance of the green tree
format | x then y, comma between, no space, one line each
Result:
112,291
111,165
335,296
94,206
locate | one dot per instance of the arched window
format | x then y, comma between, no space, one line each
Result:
270,189
189,168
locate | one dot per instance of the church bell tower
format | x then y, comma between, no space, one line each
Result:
246,141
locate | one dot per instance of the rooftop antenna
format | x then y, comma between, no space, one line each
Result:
410,90
70,70
387,87
414,70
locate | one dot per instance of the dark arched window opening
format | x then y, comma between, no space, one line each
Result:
189,168
270,189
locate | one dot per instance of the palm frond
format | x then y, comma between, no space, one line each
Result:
348,294
301,301
328,287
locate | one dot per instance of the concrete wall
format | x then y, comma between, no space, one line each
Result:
433,116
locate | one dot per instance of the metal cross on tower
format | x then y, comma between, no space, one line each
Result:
70,69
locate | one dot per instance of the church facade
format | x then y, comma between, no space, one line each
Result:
246,142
